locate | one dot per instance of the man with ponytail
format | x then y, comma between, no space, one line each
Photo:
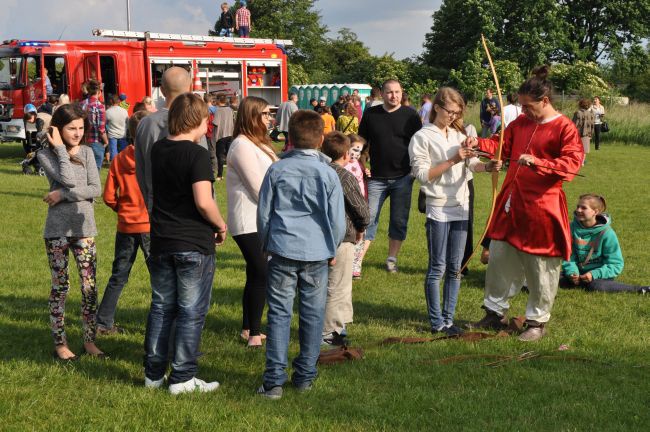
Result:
530,229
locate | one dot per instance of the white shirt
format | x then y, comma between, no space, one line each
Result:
510,113
247,165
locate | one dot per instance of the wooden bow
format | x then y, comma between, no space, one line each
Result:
497,156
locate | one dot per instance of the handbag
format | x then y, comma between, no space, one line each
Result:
422,202
604,127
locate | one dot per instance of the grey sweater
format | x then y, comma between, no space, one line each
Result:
79,184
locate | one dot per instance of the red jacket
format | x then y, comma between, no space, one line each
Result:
531,210
122,194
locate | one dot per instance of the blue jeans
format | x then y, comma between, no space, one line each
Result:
399,190
115,145
244,31
181,285
98,151
225,32
446,244
311,280
126,250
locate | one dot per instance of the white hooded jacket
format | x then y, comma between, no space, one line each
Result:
428,148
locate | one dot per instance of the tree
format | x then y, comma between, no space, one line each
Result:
474,76
533,32
348,58
600,28
457,25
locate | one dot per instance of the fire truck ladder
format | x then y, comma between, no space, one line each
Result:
122,34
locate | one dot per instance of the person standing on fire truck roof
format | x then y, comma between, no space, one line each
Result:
175,81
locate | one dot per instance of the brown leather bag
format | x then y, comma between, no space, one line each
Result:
339,355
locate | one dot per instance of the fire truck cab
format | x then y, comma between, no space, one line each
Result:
132,63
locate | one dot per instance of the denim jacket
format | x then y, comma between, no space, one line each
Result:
301,212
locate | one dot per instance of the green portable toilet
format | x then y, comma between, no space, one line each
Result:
335,91
325,92
345,90
315,92
364,91
308,95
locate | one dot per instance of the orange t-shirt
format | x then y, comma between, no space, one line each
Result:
330,123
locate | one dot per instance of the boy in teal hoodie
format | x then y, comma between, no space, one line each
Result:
596,258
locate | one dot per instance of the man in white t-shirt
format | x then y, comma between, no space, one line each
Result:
511,111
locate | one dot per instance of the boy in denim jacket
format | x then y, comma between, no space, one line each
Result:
301,222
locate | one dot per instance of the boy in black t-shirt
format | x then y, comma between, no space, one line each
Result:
185,226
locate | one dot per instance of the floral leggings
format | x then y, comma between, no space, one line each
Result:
85,254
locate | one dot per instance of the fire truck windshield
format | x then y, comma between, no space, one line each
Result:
10,72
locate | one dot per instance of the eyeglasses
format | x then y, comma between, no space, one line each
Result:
452,113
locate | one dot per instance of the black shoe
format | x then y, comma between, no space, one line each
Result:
453,330
334,339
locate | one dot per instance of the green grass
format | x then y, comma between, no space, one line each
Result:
399,387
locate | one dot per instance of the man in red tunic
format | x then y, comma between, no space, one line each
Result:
530,228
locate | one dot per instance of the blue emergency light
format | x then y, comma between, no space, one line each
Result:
33,44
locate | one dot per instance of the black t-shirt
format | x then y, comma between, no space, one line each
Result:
176,224
388,135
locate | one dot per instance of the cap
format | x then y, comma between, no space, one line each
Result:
122,96
323,98
30,108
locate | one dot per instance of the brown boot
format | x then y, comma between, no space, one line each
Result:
533,333
491,321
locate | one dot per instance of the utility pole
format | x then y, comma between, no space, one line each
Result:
128,15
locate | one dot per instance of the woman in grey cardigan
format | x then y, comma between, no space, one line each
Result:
70,224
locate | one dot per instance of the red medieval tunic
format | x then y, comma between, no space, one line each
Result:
531,210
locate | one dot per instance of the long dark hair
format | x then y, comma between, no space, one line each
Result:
66,114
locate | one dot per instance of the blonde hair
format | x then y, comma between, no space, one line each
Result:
444,96
597,201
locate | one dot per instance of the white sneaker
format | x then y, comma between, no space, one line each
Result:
194,384
148,383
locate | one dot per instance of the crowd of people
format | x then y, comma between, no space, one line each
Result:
304,219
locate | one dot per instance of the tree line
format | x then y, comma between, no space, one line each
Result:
596,47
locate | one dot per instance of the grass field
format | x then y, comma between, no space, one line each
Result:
398,387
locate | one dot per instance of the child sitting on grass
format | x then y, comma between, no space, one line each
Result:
338,311
596,258
301,222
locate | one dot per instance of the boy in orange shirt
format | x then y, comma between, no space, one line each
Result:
122,194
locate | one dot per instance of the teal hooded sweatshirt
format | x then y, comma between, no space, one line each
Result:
606,260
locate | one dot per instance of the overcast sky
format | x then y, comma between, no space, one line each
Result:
383,25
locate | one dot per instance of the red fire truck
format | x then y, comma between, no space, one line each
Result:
133,63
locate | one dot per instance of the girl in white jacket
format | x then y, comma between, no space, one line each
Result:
441,165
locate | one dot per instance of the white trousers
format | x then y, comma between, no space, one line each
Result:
507,269
338,311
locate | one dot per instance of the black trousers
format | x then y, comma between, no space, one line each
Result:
597,136
255,287
222,147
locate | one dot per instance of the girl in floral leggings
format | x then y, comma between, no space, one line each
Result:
70,225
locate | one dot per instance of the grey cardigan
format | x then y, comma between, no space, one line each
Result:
79,184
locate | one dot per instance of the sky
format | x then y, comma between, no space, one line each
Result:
378,23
